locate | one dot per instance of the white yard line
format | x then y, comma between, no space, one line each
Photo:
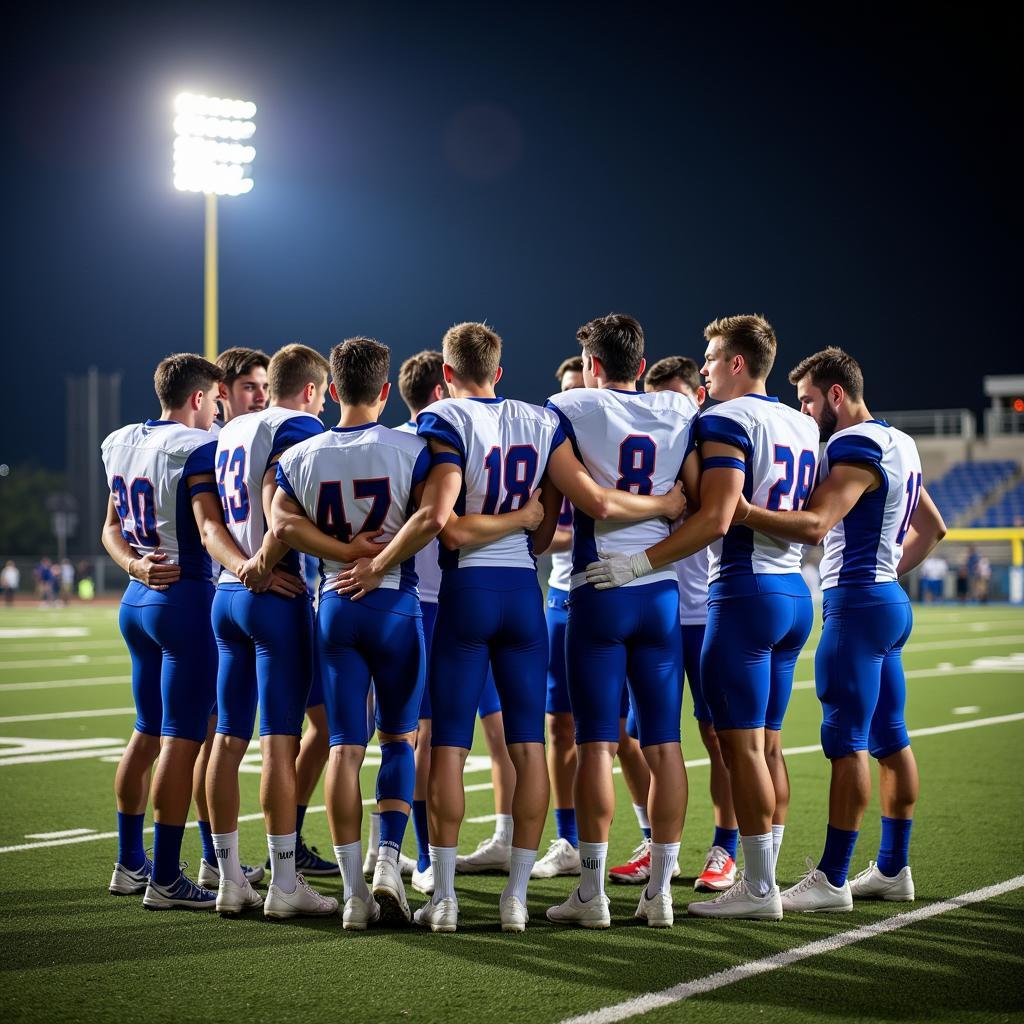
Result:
29,632
60,835
999,663
709,983
939,645
56,646
60,684
50,716
67,662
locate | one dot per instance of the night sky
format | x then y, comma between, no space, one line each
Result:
851,176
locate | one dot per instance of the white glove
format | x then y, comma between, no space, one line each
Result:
618,570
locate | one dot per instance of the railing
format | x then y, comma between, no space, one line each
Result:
933,422
1003,423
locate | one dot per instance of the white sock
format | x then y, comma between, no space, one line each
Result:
442,860
663,860
374,841
503,828
282,861
641,817
387,853
350,858
519,872
592,860
226,845
777,831
758,863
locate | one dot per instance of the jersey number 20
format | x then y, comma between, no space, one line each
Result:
797,477
138,502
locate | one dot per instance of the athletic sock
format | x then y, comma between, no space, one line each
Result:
167,852
206,835
503,828
895,845
225,846
519,873
727,839
350,859
758,863
442,859
642,820
835,860
592,861
392,831
777,833
282,861
374,838
300,817
663,860
131,854
419,824
565,824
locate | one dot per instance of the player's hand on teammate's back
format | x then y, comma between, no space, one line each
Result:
675,502
285,584
617,570
532,512
255,574
358,579
366,545
154,570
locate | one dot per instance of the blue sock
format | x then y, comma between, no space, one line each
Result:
727,839
130,851
565,823
419,823
167,852
646,832
392,829
895,845
835,861
206,835
300,817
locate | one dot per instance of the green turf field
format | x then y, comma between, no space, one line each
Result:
71,951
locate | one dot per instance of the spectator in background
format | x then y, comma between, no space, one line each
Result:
67,579
933,578
44,581
982,579
962,583
85,586
10,580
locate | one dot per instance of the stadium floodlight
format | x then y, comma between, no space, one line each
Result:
213,154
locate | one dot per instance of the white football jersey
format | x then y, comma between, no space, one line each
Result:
352,480
561,561
147,466
504,447
246,447
780,456
635,441
693,588
865,546
427,569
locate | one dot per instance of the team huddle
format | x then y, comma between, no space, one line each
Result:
676,518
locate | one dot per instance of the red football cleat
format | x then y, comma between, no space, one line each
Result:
637,869
719,872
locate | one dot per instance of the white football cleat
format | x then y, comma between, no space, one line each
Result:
406,865
594,913
815,893
562,858
209,874
740,902
490,855
233,898
423,881
125,882
439,917
389,892
656,911
304,902
370,861
359,913
871,884
514,915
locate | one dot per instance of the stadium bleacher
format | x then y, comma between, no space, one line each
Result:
1007,511
965,484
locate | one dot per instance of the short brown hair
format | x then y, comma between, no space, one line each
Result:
418,376
618,341
574,364
473,351
359,367
293,367
750,336
237,362
672,367
831,366
181,375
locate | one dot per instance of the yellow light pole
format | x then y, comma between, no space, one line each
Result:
210,280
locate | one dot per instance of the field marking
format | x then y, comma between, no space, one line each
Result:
944,645
29,632
53,715
61,645
967,709
481,819
702,986
60,835
70,661
60,684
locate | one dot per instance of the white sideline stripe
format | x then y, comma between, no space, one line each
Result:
56,646
68,661
58,684
482,819
44,631
65,755
52,715
996,664
60,835
480,787
702,986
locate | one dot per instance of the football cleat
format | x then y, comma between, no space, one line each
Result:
656,910
233,898
638,868
562,858
815,893
389,892
439,917
359,913
181,894
423,881
718,873
406,865
740,902
209,874
514,916
594,913
871,884
490,855
125,882
309,862
304,902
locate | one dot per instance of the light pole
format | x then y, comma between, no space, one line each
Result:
212,153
